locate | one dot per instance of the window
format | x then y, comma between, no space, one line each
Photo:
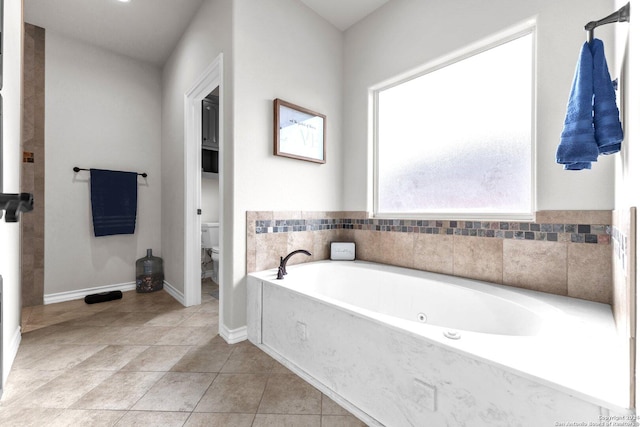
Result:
456,140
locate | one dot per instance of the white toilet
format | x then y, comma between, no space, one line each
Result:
210,242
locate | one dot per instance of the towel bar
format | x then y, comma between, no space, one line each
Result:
622,15
77,169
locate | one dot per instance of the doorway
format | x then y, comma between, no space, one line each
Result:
210,196
209,80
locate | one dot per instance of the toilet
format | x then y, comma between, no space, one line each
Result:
210,242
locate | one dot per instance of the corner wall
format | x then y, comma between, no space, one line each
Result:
103,110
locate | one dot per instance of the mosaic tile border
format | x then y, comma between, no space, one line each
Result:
563,233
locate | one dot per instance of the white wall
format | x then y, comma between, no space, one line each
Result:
405,34
272,49
11,158
628,162
208,35
282,50
103,110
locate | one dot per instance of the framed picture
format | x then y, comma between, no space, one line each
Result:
299,133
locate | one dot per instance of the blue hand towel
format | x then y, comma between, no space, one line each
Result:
606,117
578,145
114,202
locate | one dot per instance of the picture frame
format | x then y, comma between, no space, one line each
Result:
299,133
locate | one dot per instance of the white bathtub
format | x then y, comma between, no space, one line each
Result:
404,347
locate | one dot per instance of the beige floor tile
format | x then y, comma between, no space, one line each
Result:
134,319
16,416
188,335
143,335
23,381
341,421
88,364
157,358
208,419
233,393
289,394
102,318
64,390
329,407
30,355
65,357
110,335
211,306
279,368
153,419
208,358
278,420
56,334
118,392
246,358
111,358
176,391
169,318
83,417
202,318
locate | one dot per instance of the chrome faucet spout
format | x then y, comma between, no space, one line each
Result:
282,269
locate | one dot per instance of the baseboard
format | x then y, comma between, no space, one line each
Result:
176,294
81,293
233,336
10,355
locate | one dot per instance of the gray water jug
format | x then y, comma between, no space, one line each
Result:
149,273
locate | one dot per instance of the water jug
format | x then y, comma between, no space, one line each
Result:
149,273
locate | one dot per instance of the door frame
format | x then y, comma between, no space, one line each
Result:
210,78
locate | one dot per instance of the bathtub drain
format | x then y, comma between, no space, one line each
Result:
422,318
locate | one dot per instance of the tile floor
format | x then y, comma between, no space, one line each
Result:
145,360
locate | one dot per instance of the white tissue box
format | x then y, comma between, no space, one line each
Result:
343,251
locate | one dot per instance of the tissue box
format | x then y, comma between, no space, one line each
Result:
343,251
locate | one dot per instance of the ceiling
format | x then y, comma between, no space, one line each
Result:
150,29
344,13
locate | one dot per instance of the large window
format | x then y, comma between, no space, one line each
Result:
456,140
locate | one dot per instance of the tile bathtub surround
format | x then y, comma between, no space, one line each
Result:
562,252
146,360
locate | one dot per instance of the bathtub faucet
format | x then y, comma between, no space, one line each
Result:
282,269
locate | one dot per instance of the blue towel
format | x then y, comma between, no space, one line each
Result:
578,147
606,117
114,202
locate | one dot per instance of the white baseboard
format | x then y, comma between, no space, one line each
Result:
233,336
179,296
130,286
10,354
81,293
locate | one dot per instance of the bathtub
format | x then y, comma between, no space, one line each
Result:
401,347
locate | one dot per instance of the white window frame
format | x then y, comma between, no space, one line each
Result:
523,29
